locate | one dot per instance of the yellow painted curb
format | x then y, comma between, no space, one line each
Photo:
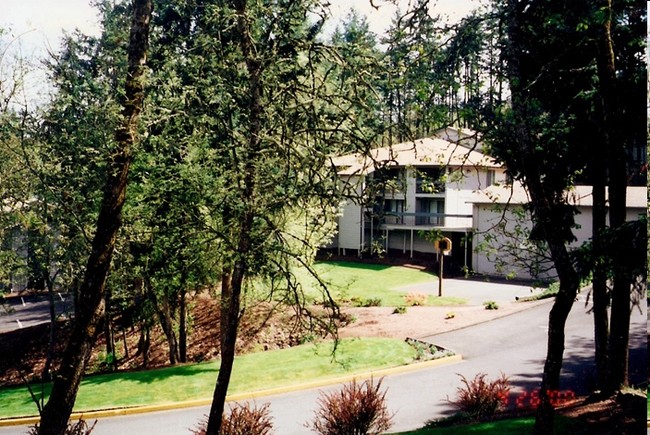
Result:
89,415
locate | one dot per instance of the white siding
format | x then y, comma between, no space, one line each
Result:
350,220
486,218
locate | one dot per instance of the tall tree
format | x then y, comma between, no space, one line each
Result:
270,149
566,92
356,74
537,140
56,412
622,79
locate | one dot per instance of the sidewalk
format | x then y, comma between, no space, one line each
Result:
477,291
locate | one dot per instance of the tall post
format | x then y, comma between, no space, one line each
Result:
442,258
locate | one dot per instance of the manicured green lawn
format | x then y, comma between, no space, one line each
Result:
350,280
515,426
252,372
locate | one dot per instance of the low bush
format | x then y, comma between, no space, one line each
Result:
370,302
400,310
480,397
357,409
80,427
243,420
414,299
491,305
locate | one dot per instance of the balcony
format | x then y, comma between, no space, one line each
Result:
430,180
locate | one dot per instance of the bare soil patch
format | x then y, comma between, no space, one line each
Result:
421,321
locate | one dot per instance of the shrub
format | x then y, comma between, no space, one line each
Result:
480,397
416,299
243,420
78,428
370,302
400,310
358,408
491,305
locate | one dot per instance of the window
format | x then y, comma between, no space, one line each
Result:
430,180
394,211
429,211
389,180
489,179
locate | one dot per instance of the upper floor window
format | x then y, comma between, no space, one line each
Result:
430,180
489,180
389,181
393,211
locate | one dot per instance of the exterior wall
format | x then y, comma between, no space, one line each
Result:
409,206
399,239
350,221
486,218
460,192
490,257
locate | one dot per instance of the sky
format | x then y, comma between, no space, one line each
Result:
36,27
39,23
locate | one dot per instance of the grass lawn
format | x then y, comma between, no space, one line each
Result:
363,282
515,426
252,372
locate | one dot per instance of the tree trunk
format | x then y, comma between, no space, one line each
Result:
165,316
144,344
182,326
230,305
550,219
599,180
167,324
569,283
233,280
108,333
621,305
620,316
49,356
599,274
90,311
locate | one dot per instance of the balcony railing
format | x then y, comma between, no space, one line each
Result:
419,218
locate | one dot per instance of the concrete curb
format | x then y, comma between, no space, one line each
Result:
89,415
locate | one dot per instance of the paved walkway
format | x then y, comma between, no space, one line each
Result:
477,291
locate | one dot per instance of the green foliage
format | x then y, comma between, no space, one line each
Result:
480,397
358,408
107,360
370,302
549,292
400,309
491,305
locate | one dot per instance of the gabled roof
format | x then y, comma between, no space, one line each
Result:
420,152
579,196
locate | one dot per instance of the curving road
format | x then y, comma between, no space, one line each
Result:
515,345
